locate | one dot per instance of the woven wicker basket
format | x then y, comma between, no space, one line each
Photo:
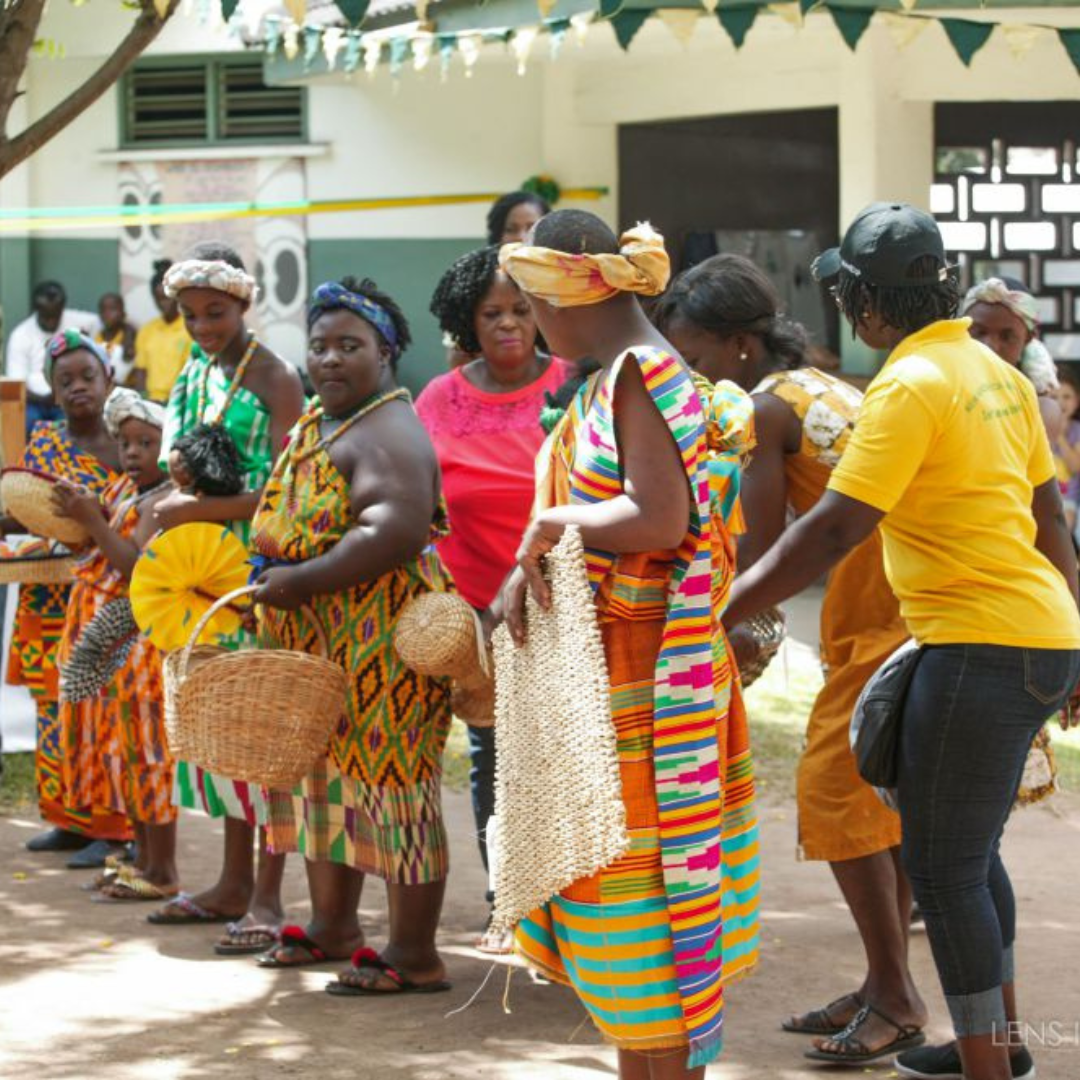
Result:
261,715
439,634
27,496
474,700
37,570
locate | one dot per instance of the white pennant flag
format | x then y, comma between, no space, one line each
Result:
579,23
680,21
333,41
521,45
1020,39
903,30
290,42
469,44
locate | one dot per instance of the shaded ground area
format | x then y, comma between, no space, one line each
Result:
93,991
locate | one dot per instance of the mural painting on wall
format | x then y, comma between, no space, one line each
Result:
274,249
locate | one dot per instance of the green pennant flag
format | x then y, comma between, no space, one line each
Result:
627,24
737,22
228,7
967,36
851,23
806,5
1070,39
610,8
353,10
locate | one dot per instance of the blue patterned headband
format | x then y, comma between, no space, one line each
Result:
333,297
68,341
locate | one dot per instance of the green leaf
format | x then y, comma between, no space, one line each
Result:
967,36
627,24
353,10
737,22
851,23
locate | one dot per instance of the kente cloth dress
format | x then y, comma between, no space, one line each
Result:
840,816
39,624
374,802
198,397
92,780
643,941
138,769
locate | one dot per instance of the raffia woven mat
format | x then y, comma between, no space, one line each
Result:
558,795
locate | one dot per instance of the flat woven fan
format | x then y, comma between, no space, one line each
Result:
101,651
27,496
558,793
179,575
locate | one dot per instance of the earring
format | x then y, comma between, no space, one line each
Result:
743,357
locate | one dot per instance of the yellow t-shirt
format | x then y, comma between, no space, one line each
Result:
161,349
949,444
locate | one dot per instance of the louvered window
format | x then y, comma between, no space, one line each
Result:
185,102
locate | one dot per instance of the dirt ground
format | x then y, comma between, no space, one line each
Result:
90,991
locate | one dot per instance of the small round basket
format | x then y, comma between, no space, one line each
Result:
439,634
769,629
261,715
473,701
27,496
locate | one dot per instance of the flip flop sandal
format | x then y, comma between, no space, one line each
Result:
182,910
818,1021
126,888
366,959
495,943
853,1051
294,938
235,942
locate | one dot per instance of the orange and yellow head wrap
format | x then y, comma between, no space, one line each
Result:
567,280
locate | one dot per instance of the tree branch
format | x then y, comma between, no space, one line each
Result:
18,29
146,27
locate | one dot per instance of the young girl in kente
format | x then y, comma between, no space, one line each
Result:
79,449
136,776
233,381
630,466
346,527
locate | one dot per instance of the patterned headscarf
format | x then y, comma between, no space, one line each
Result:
69,341
568,280
995,291
333,297
124,404
210,274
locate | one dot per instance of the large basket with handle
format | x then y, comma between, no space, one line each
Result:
261,715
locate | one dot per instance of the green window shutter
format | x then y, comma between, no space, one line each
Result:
166,104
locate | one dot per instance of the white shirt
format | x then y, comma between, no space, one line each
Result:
25,357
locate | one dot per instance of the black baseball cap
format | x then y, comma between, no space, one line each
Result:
882,243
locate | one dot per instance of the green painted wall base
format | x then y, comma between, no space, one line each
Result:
408,270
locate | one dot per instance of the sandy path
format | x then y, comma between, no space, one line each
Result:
90,991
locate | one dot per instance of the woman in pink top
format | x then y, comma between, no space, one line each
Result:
484,419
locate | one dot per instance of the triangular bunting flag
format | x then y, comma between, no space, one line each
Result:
908,5
291,41
791,13
227,8
353,10
851,23
1070,39
1020,39
352,52
967,36
626,25
162,8
710,6
806,5
737,22
610,8
297,10
545,7
680,21
521,45
902,29
333,41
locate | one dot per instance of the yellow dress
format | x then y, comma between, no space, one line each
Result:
840,816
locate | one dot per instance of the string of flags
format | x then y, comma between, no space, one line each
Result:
349,48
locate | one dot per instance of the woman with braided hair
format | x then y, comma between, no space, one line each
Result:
484,419
723,316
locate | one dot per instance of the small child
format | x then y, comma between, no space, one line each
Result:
137,770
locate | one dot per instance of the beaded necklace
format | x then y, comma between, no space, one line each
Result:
298,455
237,379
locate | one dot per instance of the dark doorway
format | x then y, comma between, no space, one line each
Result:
766,184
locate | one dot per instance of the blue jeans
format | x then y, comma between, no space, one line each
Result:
969,718
482,783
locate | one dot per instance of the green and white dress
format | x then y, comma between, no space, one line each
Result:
201,395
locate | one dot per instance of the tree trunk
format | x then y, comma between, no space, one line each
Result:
18,29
